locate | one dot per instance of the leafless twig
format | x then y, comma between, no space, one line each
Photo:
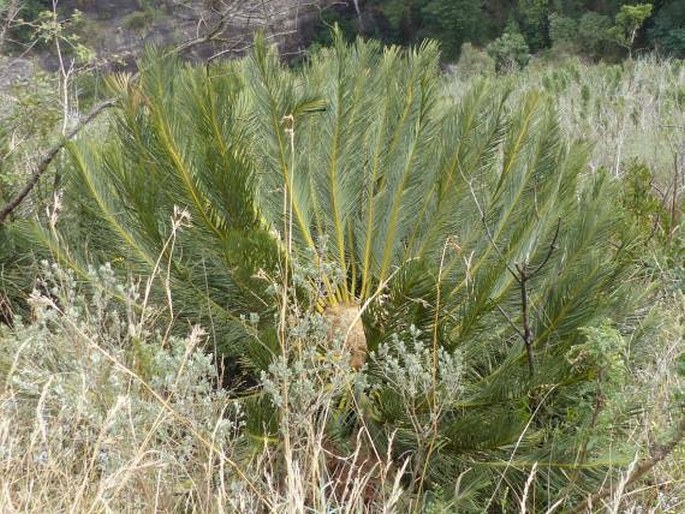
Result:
522,275
47,158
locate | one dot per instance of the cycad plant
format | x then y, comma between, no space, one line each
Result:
481,255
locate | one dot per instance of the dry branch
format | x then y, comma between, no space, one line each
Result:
47,158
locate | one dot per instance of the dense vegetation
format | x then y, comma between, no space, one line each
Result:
356,284
593,28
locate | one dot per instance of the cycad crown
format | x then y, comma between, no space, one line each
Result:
471,221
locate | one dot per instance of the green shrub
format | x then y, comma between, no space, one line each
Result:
657,217
593,33
563,31
509,51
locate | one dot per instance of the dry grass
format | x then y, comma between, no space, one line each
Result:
101,414
635,110
98,413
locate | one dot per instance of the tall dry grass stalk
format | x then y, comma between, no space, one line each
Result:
102,411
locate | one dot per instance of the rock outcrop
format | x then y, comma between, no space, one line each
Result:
209,28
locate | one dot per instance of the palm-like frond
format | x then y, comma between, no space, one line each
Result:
473,222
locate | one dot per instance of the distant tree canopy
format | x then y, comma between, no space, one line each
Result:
600,29
667,30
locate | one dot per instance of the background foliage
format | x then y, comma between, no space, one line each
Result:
594,27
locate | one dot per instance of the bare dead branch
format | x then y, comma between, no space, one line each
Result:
510,321
211,35
521,276
9,13
47,158
525,317
235,49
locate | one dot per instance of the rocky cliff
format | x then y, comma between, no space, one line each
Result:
206,28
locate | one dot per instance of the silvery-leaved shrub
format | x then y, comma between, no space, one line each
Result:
415,369
94,394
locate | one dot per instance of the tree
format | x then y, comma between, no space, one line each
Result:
510,50
453,23
563,31
668,30
594,33
534,19
628,21
463,235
